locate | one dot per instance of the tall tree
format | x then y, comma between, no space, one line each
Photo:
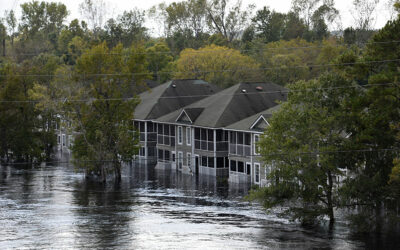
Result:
12,24
297,149
21,137
104,120
126,29
364,13
269,25
229,21
375,114
95,12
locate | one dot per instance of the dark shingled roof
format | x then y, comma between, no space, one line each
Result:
233,104
172,96
246,123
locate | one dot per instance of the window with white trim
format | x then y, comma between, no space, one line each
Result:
180,160
257,173
180,135
256,147
189,159
188,136
64,141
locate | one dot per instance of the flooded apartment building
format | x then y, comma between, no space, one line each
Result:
195,127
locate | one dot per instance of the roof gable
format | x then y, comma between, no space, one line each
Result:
183,117
260,124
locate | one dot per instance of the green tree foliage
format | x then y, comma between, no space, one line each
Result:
219,65
74,29
126,29
185,23
375,114
296,146
159,61
316,15
289,61
39,28
103,121
21,136
269,25
12,24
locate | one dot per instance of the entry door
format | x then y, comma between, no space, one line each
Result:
248,168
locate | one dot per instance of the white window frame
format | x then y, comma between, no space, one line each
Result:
180,160
173,156
257,167
189,159
64,140
256,148
188,136
180,135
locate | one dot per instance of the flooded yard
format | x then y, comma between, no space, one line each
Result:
54,207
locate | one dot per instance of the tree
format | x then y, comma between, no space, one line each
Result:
47,17
103,120
12,24
296,148
375,114
185,23
229,22
294,28
284,66
3,36
94,12
128,28
363,13
158,59
219,65
269,25
317,15
21,137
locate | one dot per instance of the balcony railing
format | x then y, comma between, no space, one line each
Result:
151,137
166,140
238,149
209,146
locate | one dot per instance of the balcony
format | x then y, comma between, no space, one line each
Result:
166,140
238,149
209,146
151,137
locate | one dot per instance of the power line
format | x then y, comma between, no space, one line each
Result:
196,96
206,71
193,51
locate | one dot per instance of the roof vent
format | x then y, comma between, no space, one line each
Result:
244,91
174,85
259,88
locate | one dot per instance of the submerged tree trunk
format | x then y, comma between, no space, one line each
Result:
329,197
103,174
117,168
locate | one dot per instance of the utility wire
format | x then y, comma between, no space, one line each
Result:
203,72
211,51
64,100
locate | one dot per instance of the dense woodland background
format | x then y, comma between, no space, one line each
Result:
343,106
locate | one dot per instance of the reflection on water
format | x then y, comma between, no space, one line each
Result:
53,207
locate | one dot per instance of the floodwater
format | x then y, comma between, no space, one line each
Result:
54,207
